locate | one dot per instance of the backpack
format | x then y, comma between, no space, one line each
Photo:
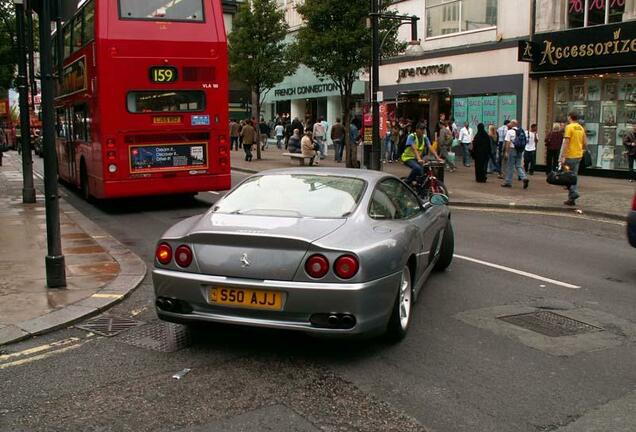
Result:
520,140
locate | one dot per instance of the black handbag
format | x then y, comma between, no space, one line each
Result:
561,177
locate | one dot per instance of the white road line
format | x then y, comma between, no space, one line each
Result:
519,272
214,193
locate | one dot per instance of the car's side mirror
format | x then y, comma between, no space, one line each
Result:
439,199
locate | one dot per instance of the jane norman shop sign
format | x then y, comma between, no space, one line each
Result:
589,48
413,72
306,90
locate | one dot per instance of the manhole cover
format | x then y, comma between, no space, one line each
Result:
162,337
550,324
108,325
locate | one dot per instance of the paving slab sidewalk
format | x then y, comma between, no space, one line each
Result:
602,197
100,271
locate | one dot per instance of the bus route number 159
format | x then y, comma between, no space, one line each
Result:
163,74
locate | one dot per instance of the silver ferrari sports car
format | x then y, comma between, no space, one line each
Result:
331,251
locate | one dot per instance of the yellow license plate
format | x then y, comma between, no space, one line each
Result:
166,120
247,298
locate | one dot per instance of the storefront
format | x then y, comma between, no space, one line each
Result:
592,72
306,96
475,87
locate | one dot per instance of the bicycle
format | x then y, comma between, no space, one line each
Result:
428,184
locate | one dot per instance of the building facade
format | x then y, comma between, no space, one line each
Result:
584,61
304,94
240,98
468,68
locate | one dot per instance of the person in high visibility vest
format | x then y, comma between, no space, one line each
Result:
418,147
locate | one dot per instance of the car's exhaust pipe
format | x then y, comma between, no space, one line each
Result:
333,320
348,321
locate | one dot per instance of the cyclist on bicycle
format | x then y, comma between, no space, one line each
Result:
418,147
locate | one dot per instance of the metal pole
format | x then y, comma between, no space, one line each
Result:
28,191
55,266
376,150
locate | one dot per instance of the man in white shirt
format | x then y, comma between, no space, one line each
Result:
514,157
279,131
325,125
530,154
466,138
319,136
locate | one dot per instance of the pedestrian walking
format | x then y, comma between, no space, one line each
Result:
530,153
515,143
493,163
338,139
264,130
481,153
553,143
325,125
466,139
629,141
388,145
319,136
234,135
445,141
501,139
249,136
574,145
279,131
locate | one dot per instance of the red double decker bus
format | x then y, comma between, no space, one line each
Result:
142,106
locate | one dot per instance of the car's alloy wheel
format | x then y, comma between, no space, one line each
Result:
401,315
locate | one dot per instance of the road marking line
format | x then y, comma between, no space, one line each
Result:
41,356
214,193
110,296
519,272
40,348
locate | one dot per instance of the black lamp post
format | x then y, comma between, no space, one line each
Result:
55,262
376,148
28,191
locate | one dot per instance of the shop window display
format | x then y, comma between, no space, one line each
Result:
606,106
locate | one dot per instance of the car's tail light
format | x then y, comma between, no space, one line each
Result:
346,266
183,256
317,266
164,253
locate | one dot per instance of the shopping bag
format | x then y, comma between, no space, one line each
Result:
586,161
451,157
455,143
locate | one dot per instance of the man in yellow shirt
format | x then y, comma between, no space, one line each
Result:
574,144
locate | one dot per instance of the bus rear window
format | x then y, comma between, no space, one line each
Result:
165,101
162,10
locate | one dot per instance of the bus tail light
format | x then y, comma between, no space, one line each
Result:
110,143
111,155
112,168
222,161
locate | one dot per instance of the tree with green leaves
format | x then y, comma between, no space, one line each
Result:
259,55
8,45
336,43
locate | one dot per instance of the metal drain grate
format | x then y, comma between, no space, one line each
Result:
161,336
550,324
109,325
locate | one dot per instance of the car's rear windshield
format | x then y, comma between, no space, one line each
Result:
162,10
295,195
165,101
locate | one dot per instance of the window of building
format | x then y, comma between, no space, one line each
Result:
557,15
605,106
454,16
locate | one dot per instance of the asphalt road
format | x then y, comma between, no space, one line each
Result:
459,369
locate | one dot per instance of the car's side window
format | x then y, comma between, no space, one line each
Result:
405,200
382,207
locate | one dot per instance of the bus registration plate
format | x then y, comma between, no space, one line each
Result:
166,120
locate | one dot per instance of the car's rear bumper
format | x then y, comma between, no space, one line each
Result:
631,228
370,303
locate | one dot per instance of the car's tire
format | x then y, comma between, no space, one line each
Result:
446,250
402,311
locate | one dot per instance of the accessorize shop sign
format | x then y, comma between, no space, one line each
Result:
603,46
